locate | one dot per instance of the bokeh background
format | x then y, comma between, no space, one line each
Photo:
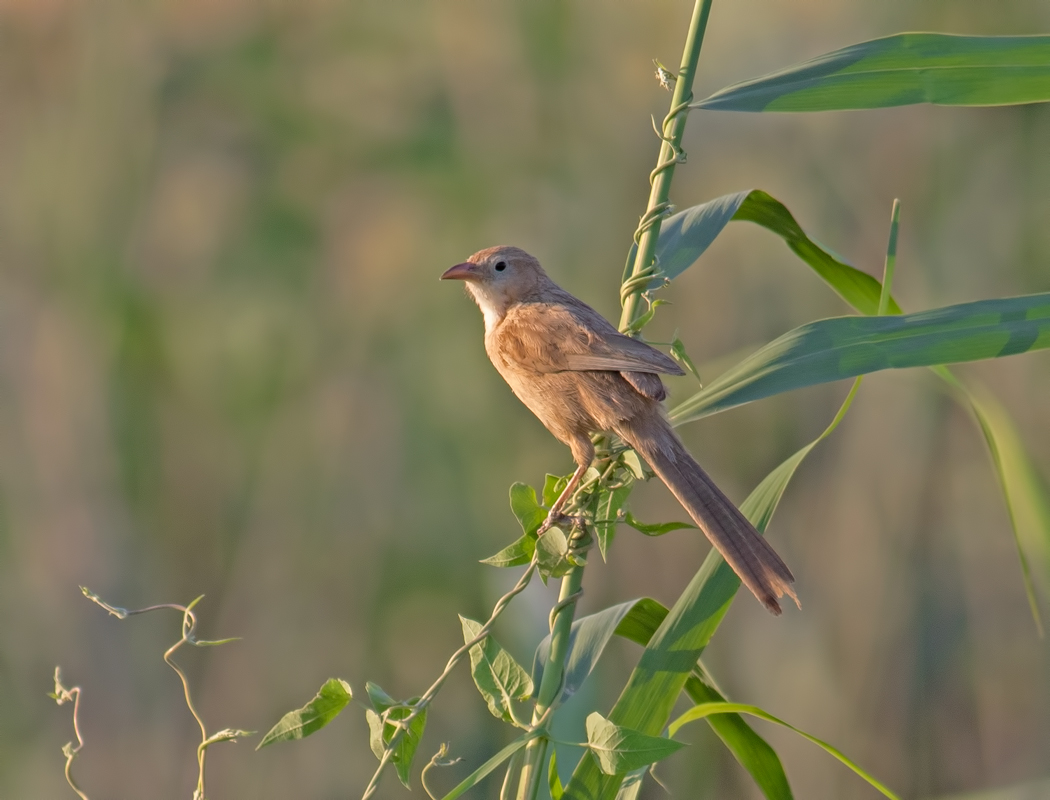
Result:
227,368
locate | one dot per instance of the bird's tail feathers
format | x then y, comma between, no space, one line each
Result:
750,555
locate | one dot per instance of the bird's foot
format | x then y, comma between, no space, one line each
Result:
577,520
553,519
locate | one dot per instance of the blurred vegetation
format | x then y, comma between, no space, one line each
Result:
227,367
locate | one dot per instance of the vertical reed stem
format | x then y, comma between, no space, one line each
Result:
670,153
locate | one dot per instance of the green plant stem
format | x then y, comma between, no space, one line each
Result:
532,770
670,154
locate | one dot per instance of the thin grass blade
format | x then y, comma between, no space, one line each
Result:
485,769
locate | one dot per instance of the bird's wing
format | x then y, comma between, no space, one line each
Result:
572,337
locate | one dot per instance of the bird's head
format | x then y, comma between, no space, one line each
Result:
499,277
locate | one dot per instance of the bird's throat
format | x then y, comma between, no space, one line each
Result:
491,309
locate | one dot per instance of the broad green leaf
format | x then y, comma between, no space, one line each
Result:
485,769
633,462
751,750
381,733
606,515
514,554
529,513
657,529
499,678
381,701
706,709
845,347
553,554
587,640
673,650
618,749
326,705
900,70
553,780
686,235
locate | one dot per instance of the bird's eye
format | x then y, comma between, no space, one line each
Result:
500,266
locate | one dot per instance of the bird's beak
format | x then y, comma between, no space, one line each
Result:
466,271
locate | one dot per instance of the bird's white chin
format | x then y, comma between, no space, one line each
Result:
492,309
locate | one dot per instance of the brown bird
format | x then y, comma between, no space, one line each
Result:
581,376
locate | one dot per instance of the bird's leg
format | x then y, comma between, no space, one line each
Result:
563,498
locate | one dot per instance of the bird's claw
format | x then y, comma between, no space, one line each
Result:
552,520
577,520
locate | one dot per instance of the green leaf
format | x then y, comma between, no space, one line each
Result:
1022,487
499,678
751,750
633,462
375,733
687,234
891,260
514,554
679,354
619,750
631,787
588,637
610,501
553,554
642,620
530,514
844,347
382,731
381,701
326,705
553,486
901,70
706,709
553,781
658,529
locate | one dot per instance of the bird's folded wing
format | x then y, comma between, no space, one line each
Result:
622,362
569,338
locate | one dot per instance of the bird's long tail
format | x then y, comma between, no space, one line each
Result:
750,556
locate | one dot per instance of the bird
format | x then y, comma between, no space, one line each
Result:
581,376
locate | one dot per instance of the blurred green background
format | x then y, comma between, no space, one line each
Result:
227,367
